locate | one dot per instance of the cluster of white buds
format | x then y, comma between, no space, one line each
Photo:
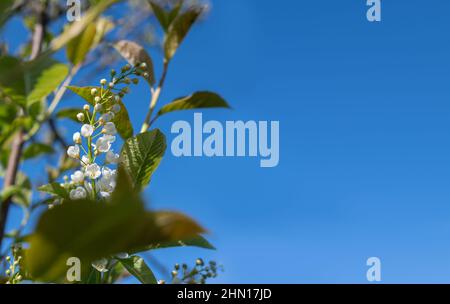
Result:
95,178
13,271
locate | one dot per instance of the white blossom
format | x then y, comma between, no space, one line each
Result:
78,193
102,145
111,157
93,171
116,108
77,137
85,160
87,130
109,128
105,117
77,177
74,151
98,107
80,117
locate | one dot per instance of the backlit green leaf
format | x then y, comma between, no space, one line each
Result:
141,155
137,267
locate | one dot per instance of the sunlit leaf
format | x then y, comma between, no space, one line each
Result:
178,31
141,155
137,267
79,47
195,101
70,113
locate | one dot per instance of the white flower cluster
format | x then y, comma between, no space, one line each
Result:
99,133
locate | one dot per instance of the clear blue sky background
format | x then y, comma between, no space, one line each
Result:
364,112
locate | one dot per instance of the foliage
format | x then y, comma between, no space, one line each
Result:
98,214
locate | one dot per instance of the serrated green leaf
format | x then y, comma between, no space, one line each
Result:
36,149
135,53
137,267
197,100
141,155
178,31
121,119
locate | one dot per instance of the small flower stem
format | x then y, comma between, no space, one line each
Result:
155,96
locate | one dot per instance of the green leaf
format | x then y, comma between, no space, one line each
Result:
137,267
141,155
178,31
134,53
91,230
54,189
121,119
195,101
70,113
37,149
78,27
79,47
196,241
160,14
5,10
28,82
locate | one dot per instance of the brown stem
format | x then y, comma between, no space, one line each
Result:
18,142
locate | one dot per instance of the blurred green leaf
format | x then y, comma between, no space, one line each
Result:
196,241
5,10
134,53
79,47
165,18
36,149
28,82
137,267
178,30
76,28
121,119
195,101
55,189
70,113
141,155
91,230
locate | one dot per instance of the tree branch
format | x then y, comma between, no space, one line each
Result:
18,142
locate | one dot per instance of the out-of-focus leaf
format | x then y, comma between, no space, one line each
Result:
195,101
134,53
37,149
5,10
178,31
70,113
28,82
78,27
55,189
141,155
103,27
121,119
79,47
91,230
165,18
137,267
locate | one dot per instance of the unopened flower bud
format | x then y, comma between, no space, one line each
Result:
145,75
135,80
143,65
86,107
98,107
80,117
103,81
111,85
94,92
97,99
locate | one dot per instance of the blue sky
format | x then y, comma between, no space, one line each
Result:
364,141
